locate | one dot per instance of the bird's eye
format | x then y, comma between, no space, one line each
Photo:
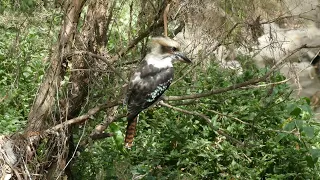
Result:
174,49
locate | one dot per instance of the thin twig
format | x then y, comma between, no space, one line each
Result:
284,16
269,84
208,53
221,114
274,83
135,41
248,124
190,112
26,169
74,152
102,58
208,121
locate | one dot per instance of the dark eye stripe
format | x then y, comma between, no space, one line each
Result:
168,49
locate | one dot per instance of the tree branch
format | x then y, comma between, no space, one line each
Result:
135,41
84,117
208,53
239,85
102,58
165,20
249,124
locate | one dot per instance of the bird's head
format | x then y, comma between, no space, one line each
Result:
164,46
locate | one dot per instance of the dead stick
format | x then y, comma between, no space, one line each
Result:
165,20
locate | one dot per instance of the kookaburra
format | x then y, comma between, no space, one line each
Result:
151,79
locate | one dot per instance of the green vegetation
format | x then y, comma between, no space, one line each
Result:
22,65
279,135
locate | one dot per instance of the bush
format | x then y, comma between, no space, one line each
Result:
276,133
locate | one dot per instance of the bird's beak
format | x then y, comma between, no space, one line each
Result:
182,57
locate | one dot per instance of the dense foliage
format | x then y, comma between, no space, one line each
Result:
258,132
279,136
22,53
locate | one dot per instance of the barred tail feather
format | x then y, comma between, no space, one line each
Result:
131,130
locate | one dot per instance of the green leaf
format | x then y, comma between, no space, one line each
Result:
306,108
307,100
315,153
280,136
310,161
117,136
295,112
290,126
299,123
309,131
291,107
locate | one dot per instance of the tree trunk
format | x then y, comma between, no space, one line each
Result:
43,103
20,154
43,152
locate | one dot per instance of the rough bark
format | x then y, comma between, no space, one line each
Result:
90,38
43,151
22,149
45,98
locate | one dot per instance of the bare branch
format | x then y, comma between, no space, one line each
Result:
165,20
101,136
84,117
239,85
189,112
102,58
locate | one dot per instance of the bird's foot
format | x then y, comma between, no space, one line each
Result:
128,146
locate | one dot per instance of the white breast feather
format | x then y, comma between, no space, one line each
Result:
136,77
159,61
